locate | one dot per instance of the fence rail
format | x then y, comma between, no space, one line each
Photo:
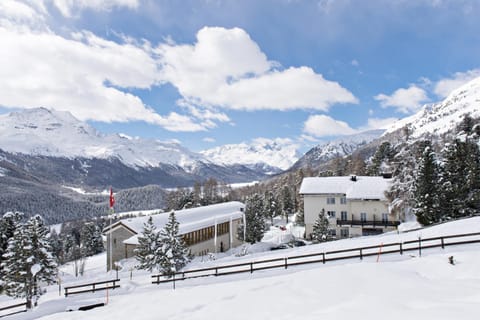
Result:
13,306
322,257
104,285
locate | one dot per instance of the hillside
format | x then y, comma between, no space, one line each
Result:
402,287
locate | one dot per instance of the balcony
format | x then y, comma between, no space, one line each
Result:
368,223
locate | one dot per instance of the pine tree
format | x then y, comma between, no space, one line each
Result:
287,201
8,223
427,202
271,206
255,223
172,253
91,239
28,261
321,227
382,158
148,244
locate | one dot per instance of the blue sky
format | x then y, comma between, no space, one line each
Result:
208,73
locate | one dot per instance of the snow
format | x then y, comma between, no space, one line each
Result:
396,287
35,269
443,116
363,188
277,153
41,131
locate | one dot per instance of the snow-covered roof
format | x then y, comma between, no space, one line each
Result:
362,188
189,219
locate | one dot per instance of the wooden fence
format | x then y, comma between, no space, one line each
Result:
94,286
323,257
13,306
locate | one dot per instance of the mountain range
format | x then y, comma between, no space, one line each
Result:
44,151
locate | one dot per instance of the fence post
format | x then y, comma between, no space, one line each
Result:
361,254
93,285
443,244
420,246
401,248
174,281
251,267
323,257
216,272
286,263
66,292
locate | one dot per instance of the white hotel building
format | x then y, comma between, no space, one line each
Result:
354,205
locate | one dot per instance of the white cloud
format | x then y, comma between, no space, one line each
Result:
378,123
355,63
445,86
226,68
323,126
69,7
209,140
405,100
318,126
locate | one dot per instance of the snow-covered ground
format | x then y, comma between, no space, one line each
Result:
397,287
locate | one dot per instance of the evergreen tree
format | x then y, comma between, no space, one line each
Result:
381,159
427,202
321,227
255,223
172,253
148,244
271,206
91,239
8,223
28,261
287,202
300,218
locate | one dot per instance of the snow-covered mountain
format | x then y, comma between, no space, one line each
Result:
340,147
444,116
53,133
268,155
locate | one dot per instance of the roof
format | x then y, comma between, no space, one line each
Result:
189,219
363,188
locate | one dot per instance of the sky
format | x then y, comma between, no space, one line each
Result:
205,73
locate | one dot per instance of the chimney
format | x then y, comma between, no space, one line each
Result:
353,178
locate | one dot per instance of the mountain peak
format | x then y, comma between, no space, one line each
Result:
441,117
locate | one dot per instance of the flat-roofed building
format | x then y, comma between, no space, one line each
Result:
204,229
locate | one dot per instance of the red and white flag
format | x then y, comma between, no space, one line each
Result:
112,198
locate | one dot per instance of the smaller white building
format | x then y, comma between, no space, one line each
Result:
354,205
204,229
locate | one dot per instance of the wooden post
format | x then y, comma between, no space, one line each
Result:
251,267
361,254
286,264
94,286
323,257
443,244
401,248
420,246
174,281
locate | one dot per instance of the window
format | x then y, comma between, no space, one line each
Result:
363,216
331,214
384,217
344,233
344,215
330,200
343,200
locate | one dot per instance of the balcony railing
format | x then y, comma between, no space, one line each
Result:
373,223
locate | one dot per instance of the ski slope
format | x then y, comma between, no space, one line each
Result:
396,287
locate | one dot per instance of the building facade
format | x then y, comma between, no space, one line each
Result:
354,206
208,229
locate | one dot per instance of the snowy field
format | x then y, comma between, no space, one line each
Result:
395,287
